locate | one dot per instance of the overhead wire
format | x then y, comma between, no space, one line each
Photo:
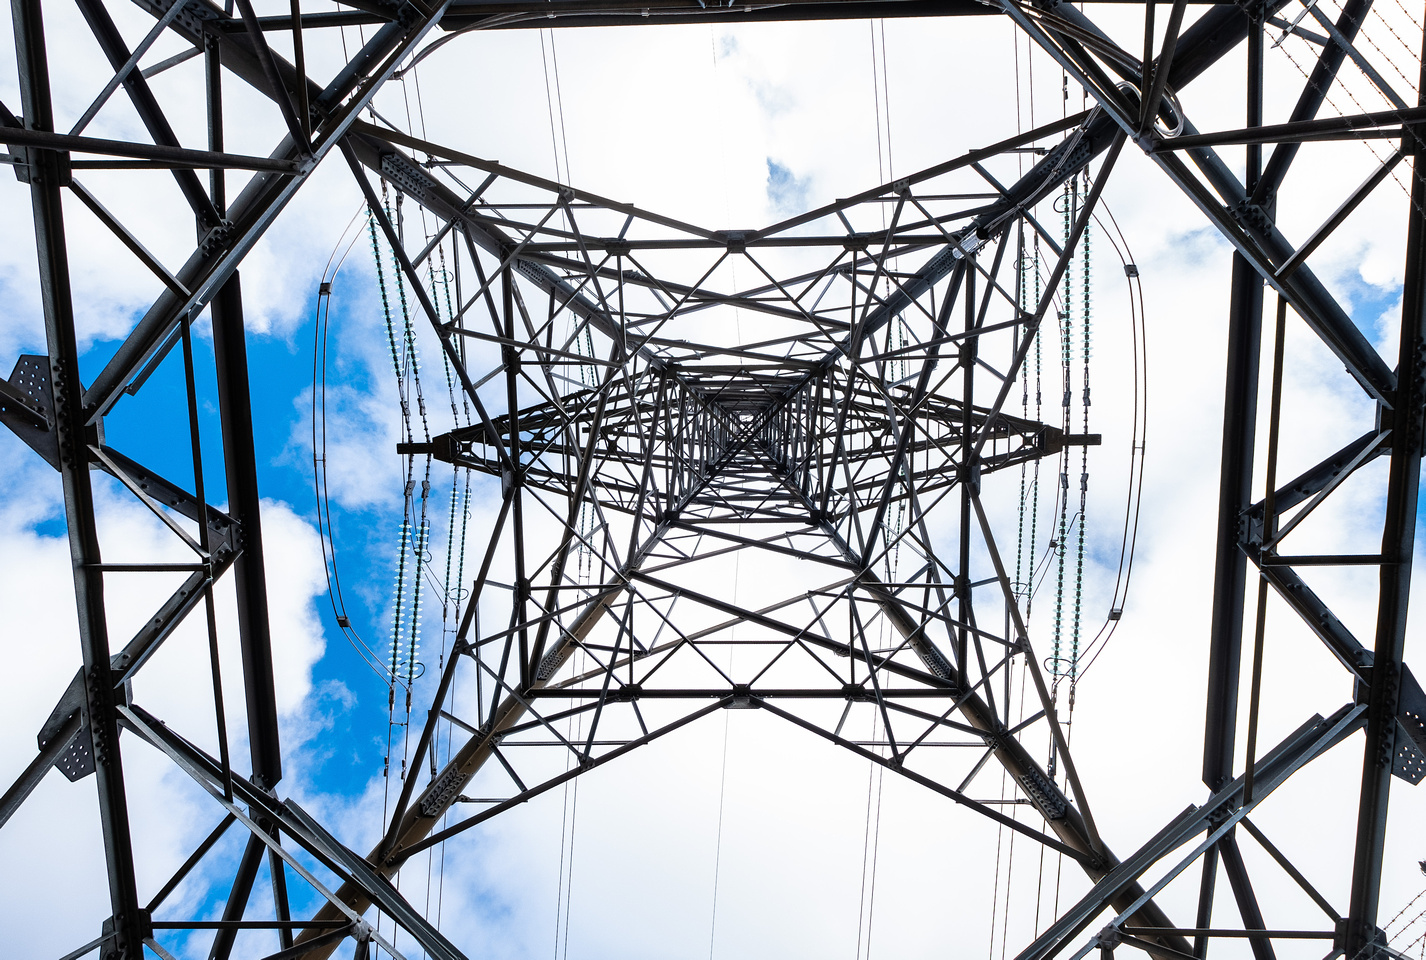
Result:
414,530
450,591
554,103
1410,84
414,534
893,372
1372,946
723,767
1070,655
325,528
1327,96
871,843
1060,666
569,815
1025,566
569,820
723,140
422,551
1138,439
416,558
721,120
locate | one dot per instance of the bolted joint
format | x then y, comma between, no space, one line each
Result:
24,161
969,474
549,665
737,241
1249,530
407,177
522,589
628,693
1360,939
29,165
140,925
217,239
1220,814
1108,938
1339,934
19,159
99,702
1043,794
1386,755
1251,215
856,693
743,698
441,793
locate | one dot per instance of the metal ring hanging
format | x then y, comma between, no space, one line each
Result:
1170,98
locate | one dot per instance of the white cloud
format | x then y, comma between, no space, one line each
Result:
167,812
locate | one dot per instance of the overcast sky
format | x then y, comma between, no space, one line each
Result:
729,127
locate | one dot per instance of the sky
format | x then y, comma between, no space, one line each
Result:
738,838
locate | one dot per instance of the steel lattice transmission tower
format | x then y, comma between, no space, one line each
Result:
877,384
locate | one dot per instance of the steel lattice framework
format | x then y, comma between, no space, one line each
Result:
877,384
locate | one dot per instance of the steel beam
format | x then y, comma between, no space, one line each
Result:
47,174
1397,548
249,570
1240,404
1216,817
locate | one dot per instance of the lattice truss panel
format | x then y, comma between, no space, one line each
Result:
827,397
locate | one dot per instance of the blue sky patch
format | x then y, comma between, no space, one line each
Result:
786,192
